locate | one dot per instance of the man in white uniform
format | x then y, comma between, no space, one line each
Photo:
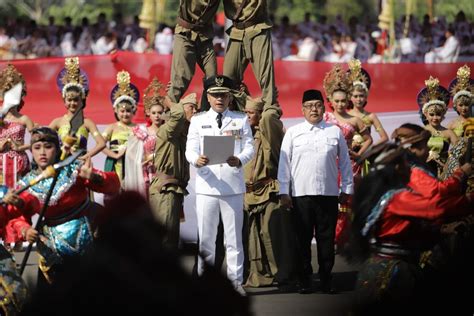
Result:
312,155
220,188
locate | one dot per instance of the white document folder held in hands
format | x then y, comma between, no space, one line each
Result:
218,148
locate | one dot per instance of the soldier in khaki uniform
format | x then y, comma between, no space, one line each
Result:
250,41
261,200
192,44
168,188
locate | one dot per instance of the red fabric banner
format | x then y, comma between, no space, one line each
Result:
394,86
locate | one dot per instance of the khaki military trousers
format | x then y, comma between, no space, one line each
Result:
257,51
262,266
166,207
186,53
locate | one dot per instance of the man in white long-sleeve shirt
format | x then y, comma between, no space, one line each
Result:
313,154
448,53
220,188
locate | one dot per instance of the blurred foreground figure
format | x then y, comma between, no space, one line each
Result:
128,272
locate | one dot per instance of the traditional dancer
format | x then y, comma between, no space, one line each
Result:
386,234
14,162
338,88
433,101
124,98
360,91
139,168
461,89
67,229
73,84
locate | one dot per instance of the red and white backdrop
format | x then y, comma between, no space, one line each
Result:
394,86
393,91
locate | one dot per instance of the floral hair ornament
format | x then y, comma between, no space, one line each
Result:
71,76
10,77
124,90
358,75
336,80
462,85
152,94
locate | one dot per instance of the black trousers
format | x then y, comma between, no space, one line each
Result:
315,215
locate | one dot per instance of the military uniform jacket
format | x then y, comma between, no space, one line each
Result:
261,173
253,14
220,179
170,161
199,12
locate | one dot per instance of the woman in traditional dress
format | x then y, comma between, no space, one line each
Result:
124,98
433,101
461,89
14,162
139,168
360,91
338,88
74,87
68,222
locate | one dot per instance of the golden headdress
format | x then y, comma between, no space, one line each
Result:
152,95
358,75
433,95
124,90
462,84
9,77
336,80
72,76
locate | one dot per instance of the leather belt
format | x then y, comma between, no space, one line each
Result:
252,187
165,179
54,221
191,26
395,251
246,24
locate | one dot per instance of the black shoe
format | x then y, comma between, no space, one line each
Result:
327,289
286,288
305,286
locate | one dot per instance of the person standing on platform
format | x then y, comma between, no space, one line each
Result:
168,187
220,188
192,44
250,41
311,154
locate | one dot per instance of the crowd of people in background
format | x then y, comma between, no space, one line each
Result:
313,39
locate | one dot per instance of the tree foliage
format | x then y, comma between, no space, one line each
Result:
40,10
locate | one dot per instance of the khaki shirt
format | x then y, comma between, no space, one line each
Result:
199,12
254,10
170,151
264,165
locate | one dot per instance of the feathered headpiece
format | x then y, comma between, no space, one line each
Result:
124,91
72,76
152,95
433,95
336,80
462,84
358,75
9,77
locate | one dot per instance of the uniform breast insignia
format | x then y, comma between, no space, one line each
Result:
206,126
